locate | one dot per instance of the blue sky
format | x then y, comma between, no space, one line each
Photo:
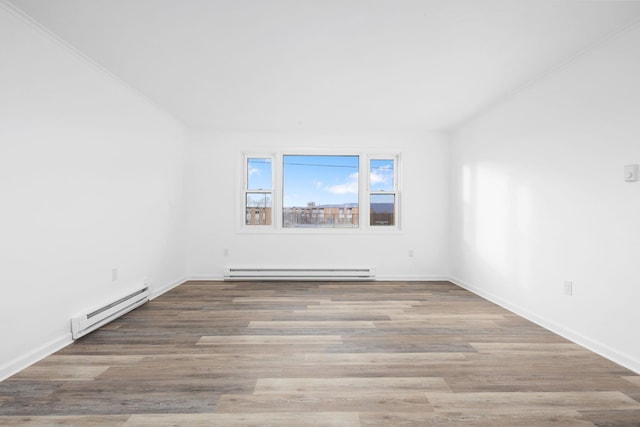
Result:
320,179
259,174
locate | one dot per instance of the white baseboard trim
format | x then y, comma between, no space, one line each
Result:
157,292
590,344
19,363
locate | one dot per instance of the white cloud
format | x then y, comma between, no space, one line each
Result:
349,187
376,178
253,171
382,175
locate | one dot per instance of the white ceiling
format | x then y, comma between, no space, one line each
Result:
329,65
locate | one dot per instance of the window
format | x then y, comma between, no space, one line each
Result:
258,193
317,188
382,192
320,192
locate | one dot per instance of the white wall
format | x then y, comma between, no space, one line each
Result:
538,198
91,179
214,209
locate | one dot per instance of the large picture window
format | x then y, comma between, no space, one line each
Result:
320,191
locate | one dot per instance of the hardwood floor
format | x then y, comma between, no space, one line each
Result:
322,354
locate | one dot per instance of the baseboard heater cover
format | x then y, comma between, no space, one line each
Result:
88,322
237,273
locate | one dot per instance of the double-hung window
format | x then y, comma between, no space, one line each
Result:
383,192
258,191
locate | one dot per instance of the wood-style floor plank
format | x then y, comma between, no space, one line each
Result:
323,402
65,420
352,354
269,418
65,372
527,402
378,386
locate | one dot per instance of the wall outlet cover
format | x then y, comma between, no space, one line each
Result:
631,173
568,288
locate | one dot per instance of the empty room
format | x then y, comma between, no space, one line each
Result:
319,212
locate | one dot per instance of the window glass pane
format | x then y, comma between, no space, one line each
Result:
381,175
258,174
382,209
258,209
320,191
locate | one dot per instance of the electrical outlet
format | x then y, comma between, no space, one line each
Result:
410,253
225,252
114,274
568,288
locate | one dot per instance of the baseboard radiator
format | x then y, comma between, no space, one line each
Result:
83,324
236,273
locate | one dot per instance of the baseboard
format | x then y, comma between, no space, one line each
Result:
157,292
18,364
590,344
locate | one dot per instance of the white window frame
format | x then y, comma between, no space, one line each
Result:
395,157
276,191
246,190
